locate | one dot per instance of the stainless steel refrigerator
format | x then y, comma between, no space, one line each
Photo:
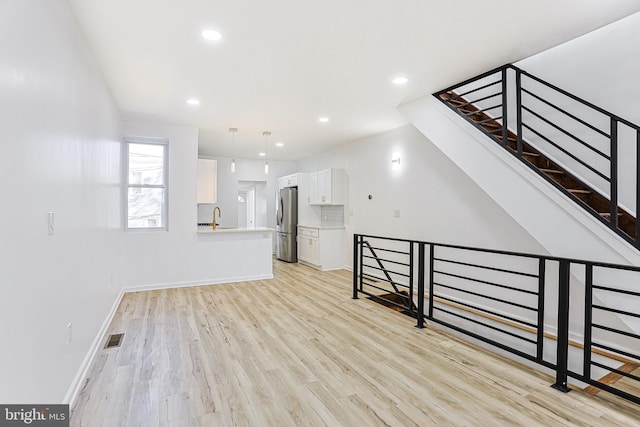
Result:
286,224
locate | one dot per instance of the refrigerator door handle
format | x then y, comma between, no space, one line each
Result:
281,212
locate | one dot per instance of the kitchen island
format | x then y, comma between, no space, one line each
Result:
239,254
206,257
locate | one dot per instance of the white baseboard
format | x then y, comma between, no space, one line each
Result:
78,381
157,286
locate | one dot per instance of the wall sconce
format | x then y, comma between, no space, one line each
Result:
266,163
395,160
232,131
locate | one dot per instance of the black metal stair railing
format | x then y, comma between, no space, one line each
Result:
395,286
578,318
588,153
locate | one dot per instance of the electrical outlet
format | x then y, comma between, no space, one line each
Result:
52,217
69,333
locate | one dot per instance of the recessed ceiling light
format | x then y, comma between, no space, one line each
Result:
262,154
211,35
400,80
323,119
279,144
193,101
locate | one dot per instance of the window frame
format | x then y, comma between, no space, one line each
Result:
164,142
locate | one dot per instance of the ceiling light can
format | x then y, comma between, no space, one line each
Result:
211,35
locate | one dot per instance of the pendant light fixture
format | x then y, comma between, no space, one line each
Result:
266,162
232,131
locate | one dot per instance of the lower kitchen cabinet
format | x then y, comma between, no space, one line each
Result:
321,248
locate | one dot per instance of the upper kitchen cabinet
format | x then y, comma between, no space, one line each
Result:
207,181
327,187
289,181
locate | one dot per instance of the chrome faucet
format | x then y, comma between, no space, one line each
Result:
214,224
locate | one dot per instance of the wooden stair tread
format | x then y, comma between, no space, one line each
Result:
494,125
578,191
552,171
608,214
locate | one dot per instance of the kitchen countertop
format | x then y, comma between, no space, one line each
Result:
222,230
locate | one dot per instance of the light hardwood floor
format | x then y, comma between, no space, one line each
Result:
297,350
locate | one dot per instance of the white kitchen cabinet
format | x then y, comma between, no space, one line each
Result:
308,245
312,198
327,187
321,248
207,181
288,181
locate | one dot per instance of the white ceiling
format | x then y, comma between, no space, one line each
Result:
283,63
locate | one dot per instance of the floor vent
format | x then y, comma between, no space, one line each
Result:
114,341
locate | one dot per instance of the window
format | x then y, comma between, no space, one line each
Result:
146,184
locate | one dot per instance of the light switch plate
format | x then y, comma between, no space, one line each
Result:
52,217
396,213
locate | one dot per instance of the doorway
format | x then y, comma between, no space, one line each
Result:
252,204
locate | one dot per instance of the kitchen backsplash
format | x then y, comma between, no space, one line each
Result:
332,216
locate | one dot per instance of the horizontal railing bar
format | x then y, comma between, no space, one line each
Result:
605,387
485,325
575,98
389,291
373,276
484,310
527,329
619,291
387,270
483,110
484,98
616,350
511,253
615,310
615,331
574,157
617,371
495,343
513,304
386,260
458,96
473,79
568,114
389,250
566,132
470,113
492,119
391,282
484,267
524,291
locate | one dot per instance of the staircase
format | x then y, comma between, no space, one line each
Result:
484,102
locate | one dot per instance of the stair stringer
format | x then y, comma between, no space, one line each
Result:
562,227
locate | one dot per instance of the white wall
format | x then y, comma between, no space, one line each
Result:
60,152
437,201
601,67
